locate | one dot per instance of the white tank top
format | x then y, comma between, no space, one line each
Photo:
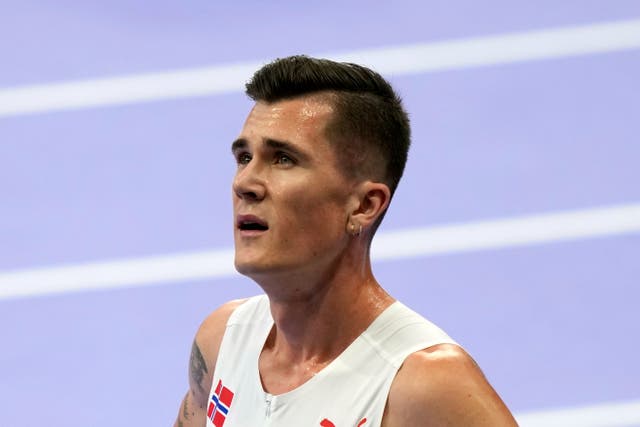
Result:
349,392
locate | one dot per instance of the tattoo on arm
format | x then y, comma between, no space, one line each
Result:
185,410
197,368
184,413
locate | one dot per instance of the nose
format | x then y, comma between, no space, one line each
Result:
249,182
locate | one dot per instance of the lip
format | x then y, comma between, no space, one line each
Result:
241,219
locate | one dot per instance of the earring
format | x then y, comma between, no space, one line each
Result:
352,229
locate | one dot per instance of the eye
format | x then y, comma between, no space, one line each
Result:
242,158
284,159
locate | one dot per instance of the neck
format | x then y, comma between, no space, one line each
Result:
317,314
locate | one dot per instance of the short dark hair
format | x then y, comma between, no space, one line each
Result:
370,129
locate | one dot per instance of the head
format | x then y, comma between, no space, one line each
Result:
369,130
318,158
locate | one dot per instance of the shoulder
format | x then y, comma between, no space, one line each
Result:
443,386
213,326
202,362
205,348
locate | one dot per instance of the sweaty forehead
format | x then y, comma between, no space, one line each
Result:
301,115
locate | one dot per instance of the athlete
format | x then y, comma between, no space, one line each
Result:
318,160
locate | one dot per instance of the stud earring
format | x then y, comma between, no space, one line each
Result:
352,229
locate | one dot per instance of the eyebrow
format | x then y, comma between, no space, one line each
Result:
274,144
238,144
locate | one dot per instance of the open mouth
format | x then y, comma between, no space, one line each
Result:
251,223
252,226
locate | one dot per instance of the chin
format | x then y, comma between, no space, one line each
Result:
249,267
242,267
255,269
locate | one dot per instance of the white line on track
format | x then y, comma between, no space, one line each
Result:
507,232
399,60
392,245
616,414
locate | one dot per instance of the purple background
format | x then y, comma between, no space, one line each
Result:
552,325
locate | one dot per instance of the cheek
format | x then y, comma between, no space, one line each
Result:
318,212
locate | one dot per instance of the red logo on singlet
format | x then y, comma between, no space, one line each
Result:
327,423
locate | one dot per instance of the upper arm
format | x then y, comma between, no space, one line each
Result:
202,362
443,387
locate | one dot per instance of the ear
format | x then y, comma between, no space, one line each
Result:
373,200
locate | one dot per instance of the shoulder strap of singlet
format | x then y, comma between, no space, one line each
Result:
253,310
400,331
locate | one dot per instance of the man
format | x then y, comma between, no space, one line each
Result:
318,160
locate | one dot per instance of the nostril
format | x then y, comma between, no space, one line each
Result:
249,187
249,195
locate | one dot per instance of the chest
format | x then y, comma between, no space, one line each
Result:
326,400
351,391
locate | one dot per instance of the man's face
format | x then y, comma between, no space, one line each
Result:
290,202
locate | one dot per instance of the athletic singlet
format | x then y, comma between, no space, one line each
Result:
349,392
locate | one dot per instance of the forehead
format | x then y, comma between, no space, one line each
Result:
300,120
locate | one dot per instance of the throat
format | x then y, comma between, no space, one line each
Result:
289,360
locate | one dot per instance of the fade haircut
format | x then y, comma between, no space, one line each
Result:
369,129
